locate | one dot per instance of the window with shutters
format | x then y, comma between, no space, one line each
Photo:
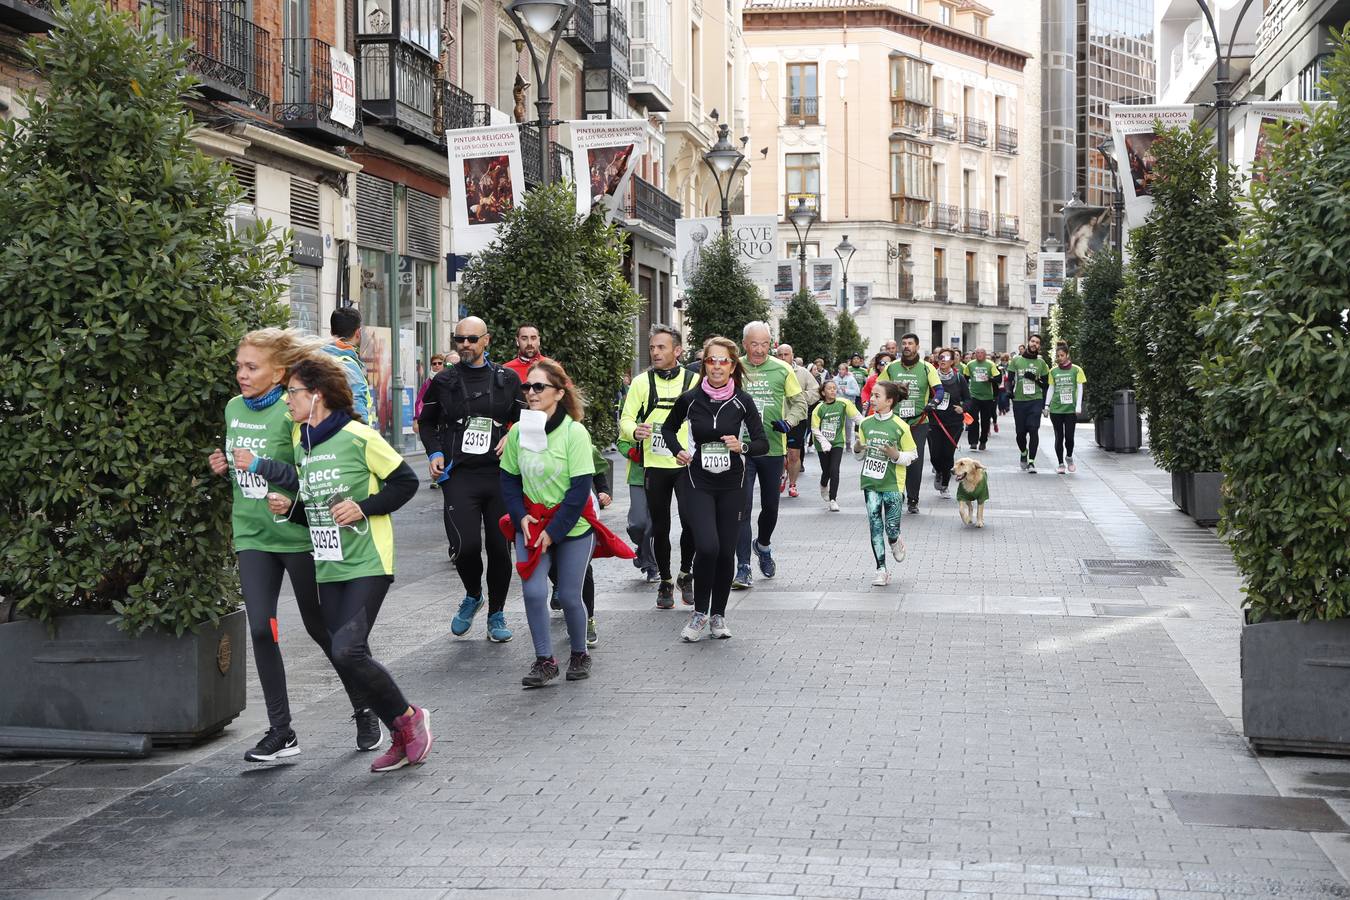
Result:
304,204
246,173
422,216
374,212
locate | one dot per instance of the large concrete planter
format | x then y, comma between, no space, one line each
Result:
1295,678
1204,491
88,676
1181,490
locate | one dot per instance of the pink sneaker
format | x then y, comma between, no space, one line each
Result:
396,757
416,734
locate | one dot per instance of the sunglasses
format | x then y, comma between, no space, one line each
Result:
718,360
538,387
467,338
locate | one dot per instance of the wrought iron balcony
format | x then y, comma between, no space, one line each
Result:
230,55
801,110
976,131
1005,139
610,40
482,115
307,92
974,221
905,287
580,30
1004,296
945,124
946,216
34,17
398,88
648,203
940,289
457,107
972,292
529,157
1009,228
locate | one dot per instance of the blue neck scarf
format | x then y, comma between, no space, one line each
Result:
260,403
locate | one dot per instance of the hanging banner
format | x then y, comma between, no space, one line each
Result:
861,293
755,239
1262,119
605,153
1049,277
344,87
823,275
1086,230
1133,131
487,180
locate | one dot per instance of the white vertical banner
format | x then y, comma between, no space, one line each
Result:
754,237
861,293
1133,131
823,275
343,73
1049,282
487,180
1262,119
605,153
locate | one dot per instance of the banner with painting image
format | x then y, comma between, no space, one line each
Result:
487,180
1133,131
605,152
1264,119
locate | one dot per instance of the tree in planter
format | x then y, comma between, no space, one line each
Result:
1180,268
1066,318
1099,349
563,274
805,326
847,340
1275,372
125,294
721,299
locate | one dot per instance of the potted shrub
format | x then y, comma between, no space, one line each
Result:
1275,378
1183,247
125,292
1099,353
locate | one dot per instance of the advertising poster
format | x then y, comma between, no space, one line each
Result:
1049,278
407,351
1133,131
486,181
862,293
1087,229
823,275
374,349
605,153
1263,120
755,238
344,87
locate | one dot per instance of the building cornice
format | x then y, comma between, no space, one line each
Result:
799,18
279,143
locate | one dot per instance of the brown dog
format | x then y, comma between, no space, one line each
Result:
972,488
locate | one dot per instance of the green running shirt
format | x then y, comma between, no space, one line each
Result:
879,473
267,432
1024,388
920,379
982,376
769,385
829,418
1064,388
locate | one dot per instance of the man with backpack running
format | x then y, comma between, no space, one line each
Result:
649,401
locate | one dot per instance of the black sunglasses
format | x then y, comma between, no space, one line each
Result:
467,338
538,387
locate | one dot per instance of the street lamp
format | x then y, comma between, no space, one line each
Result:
1107,148
802,218
1223,82
541,17
724,159
845,252
901,252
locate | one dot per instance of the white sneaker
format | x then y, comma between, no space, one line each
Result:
883,578
1072,467
1060,469
834,506
898,549
717,627
698,622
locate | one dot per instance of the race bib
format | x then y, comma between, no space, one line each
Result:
253,485
1066,396
659,447
945,401
327,543
715,457
981,374
477,436
906,410
1028,387
874,466
829,429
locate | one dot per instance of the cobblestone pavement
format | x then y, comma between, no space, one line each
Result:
1002,721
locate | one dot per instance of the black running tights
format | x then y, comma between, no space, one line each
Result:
716,520
349,611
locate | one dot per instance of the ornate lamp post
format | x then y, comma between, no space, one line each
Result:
541,17
845,252
724,159
1223,81
802,218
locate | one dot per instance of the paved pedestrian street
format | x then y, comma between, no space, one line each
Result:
1022,712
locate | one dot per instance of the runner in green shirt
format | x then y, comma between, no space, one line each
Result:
828,422
886,446
1028,376
983,375
1066,402
924,386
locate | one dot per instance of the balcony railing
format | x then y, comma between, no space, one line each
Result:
33,17
945,124
610,39
1005,139
648,203
907,115
560,162
974,221
812,203
457,107
580,30
946,216
1004,296
1009,228
399,87
976,131
972,292
801,110
482,115
307,92
905,287
229,54
940,289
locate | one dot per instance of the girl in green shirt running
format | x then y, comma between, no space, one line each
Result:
885,447
831,421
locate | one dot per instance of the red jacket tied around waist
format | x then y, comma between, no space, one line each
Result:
607,543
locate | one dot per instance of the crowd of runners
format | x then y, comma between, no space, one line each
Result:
522,485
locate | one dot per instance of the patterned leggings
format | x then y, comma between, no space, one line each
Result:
883,518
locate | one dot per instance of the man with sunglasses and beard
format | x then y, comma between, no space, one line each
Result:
466,413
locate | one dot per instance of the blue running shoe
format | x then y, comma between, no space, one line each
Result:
469,608
767,567
742,581
497,630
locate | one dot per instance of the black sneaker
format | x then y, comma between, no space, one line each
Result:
544,670
553,602
369,734
278,743
579,667
912,508
665,596
983,448
685,581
